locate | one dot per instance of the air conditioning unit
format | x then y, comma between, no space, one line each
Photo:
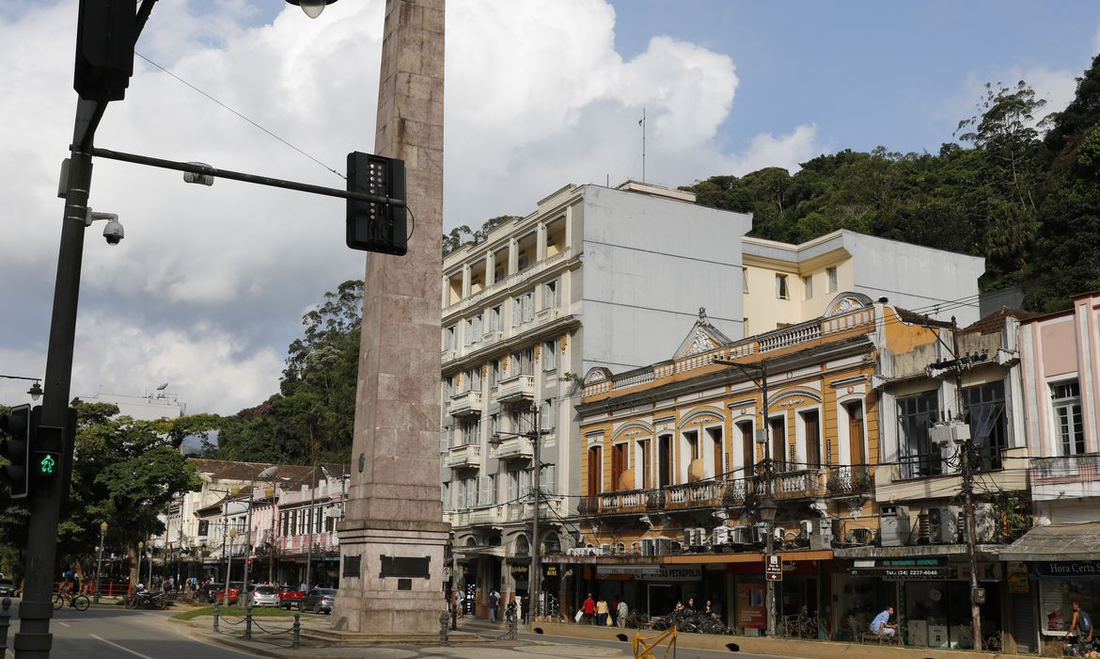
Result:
760,533
894,526
943,526
722,536
649,546
742,535
695,537
821,534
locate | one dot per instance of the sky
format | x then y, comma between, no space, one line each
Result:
208,287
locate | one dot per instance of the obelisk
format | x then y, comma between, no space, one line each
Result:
393,536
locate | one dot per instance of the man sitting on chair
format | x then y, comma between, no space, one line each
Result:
881,624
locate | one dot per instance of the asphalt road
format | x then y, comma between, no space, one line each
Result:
119,633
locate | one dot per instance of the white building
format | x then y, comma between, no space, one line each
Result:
594,277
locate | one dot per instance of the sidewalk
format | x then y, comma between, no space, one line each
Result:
477,639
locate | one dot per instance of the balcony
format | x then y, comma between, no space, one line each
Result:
850,480
466,456
514,448
786,486
1074,476
516,388
467,403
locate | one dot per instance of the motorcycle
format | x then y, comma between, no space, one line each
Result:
147,599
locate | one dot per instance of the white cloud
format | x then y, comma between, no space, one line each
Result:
206,289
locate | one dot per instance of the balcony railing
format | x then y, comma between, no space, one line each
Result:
516,388
514,448
466,403
465,456
799,484
850,480
1065,469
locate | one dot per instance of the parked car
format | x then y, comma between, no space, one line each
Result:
208,590
234,592
290,598
7,588
318,600
263,596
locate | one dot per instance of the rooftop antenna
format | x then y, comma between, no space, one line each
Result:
641,122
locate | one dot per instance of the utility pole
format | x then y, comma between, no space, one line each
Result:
536,567
977,594
763,433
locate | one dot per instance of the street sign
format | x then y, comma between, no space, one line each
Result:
773,567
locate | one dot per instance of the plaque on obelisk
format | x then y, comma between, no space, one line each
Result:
393,537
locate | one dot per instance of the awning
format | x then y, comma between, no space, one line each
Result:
1056,542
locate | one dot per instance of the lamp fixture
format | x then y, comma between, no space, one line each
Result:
312,8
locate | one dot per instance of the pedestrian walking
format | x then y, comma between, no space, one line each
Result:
623,612
494,602
601,612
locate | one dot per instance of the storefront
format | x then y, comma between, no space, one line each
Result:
930,596
1049,568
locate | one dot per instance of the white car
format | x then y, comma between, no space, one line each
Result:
264,596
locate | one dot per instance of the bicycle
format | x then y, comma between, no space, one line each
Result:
78,602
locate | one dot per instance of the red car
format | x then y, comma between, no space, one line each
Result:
289,598
234,592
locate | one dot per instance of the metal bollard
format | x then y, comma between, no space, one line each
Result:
297,630
443,625
5,622
217,614
454,618
248,621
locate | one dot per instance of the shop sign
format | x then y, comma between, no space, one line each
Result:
632,570
750,605
1068,570
902,573
551,570
773,567
673,574
1017,583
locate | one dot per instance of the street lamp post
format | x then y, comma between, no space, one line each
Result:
141,557
767,515
266,474
99,560
534,575
36,389
310,522
229,565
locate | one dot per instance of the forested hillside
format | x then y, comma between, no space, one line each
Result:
1020,187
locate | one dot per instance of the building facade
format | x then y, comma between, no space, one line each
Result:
513,340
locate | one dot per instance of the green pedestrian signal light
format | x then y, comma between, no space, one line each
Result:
47,464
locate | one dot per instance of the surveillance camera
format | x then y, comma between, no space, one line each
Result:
113,232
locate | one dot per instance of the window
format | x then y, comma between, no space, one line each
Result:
808,287
498,272
744,280
473,330
449,386
445,495
519,484
781,291
494,424
985,409
915,416
550,355
830,274
523,362
473,379
471,430
524,261
494,373
486,496
495,318
549,480
619,464
204,527
1066,399
523,308
449,338
550,295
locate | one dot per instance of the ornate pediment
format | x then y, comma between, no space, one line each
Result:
703,337
848,301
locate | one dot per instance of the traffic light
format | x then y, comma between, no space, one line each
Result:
372,226
105,35
17,427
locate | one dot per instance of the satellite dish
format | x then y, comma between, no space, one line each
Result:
162,387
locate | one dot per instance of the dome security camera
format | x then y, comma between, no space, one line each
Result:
113,232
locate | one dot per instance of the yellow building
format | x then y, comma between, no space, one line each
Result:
677,457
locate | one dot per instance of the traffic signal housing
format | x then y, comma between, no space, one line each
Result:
17,430
377,226
105,35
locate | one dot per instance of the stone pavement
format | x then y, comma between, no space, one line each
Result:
477,639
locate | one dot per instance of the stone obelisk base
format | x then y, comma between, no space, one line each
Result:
381,602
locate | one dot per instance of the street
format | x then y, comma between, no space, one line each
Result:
111,633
